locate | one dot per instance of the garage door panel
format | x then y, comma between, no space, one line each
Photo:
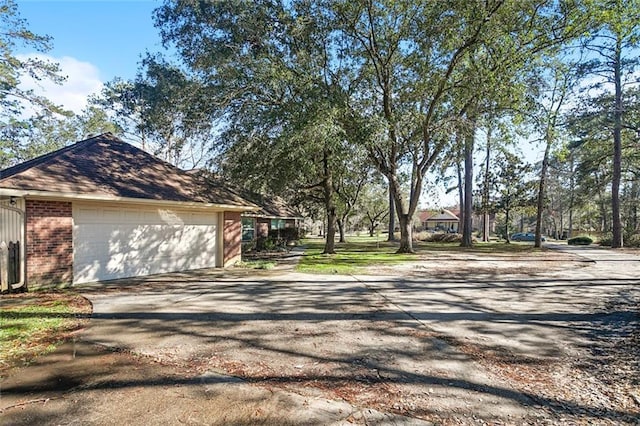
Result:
166,241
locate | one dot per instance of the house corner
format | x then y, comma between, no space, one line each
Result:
232,239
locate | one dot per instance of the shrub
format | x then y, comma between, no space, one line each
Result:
286,234
248,246
606,240
422,236
633,241
582,240
445,238
265,244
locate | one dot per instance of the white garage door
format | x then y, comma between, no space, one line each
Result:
119,242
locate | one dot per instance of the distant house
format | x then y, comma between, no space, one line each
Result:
102,209
273,213
439,220
448,220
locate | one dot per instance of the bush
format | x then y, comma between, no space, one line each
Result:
633,241
283,238
606,240
287,235
265,244
444,238
248,246
422,236
582,240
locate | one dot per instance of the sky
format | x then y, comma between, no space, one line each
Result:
93,41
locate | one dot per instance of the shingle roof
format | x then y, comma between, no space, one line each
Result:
442,215
107,166
269,206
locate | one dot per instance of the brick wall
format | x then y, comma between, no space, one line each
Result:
49,245
232,238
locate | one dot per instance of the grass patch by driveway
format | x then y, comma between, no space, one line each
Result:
32,324
359,253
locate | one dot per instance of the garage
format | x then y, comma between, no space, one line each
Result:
103,209
123,241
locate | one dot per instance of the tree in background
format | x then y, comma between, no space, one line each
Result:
165,110
510,186
557,81
617,34
372,207
15,101
590,126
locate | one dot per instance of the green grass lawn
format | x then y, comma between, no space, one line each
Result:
33,324
360,252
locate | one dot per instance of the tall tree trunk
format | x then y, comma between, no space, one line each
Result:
467,229
541,189
506,225
617,150
485,194
392,216
341,223
460,198
330,205
572,197
405,216
406,237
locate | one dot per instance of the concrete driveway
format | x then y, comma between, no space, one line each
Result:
453,348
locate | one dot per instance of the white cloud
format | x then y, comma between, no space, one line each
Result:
83,79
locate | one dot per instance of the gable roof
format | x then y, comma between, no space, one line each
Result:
105,167
438,216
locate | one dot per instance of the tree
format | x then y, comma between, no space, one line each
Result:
348,186
511,189
556,87
14,100
419,65
617,33
372,206
402,46
590,125
165,110
277,82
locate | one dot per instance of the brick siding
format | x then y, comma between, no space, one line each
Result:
232,238
49,245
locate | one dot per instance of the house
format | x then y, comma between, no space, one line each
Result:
273,213
439,220
102,209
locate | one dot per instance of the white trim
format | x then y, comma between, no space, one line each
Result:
248,214
33,194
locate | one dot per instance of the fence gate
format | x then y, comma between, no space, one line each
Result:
11,236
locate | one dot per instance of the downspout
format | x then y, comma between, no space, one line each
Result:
23,244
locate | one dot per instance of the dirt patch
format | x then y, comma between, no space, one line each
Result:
482,265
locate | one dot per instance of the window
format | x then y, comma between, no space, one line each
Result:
277,223
248,229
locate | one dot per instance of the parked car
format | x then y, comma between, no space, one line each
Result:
525,236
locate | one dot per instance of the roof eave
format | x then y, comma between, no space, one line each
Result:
264,216
98,197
